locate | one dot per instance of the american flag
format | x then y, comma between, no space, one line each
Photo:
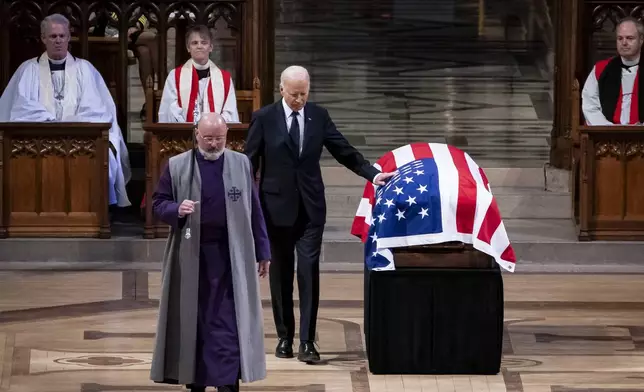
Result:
438,195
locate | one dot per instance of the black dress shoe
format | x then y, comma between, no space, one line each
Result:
284,348
194,388
308,353
228,388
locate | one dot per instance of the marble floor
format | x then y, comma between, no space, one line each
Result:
92,331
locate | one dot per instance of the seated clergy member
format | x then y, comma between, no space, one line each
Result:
198,81
58,87
610,95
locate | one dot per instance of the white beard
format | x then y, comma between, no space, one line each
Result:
211,156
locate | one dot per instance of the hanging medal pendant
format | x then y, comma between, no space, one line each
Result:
187,235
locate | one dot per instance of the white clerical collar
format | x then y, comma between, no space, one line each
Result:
630,63
288,110
58,61
201,67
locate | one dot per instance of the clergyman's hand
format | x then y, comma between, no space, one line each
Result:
262,268
187,207
382,178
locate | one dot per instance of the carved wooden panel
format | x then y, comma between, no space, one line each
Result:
612,11
54,179
612,183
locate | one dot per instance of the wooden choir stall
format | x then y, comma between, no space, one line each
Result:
53,179
606,162
62,186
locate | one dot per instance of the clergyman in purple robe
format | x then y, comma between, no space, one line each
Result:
210,327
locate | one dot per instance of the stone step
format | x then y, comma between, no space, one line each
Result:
545,245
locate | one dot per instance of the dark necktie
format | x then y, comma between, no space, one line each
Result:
294,132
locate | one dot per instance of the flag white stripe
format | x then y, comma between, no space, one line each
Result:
483,201
364,208
403,155
499,240
447,184
474,169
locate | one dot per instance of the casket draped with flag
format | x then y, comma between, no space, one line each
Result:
439,195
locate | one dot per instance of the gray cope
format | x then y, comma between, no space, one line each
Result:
175,352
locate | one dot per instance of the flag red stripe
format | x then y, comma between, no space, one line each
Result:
358,228
466,207
508,255
421,151
490,223
387,162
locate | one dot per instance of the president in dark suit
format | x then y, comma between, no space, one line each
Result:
284,144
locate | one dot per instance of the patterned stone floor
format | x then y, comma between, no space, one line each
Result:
93,332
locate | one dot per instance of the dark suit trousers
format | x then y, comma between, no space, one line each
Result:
306,239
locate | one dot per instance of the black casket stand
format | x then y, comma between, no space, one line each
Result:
439,312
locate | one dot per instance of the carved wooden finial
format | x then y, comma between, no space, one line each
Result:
149,82
256,83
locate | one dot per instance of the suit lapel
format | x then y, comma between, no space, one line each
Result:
307,119
281,121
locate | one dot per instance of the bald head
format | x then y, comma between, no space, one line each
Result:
294,86
209,120
211,135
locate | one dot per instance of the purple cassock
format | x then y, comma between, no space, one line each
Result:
218,361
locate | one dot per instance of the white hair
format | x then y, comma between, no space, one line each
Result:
51,20
294,72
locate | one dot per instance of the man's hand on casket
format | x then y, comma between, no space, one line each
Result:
382,178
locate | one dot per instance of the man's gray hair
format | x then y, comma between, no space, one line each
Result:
638,24
294,72
51,20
